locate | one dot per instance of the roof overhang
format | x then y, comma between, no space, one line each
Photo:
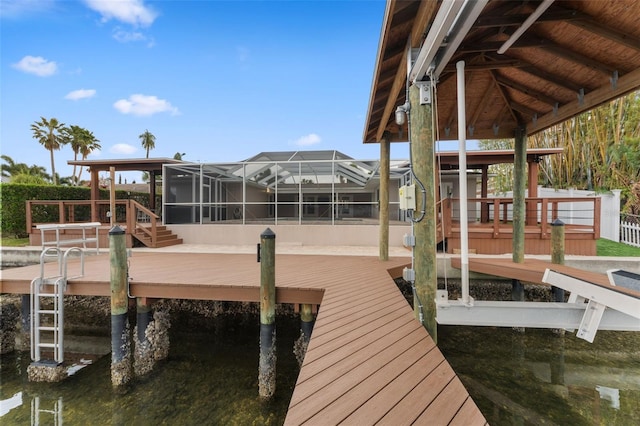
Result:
574,56
128,164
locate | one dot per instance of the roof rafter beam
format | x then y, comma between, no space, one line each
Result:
426,10
544,75
626,84
542,97
589,24
578,58
518,19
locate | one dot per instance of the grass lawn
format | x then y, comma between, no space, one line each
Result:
14,242
606,247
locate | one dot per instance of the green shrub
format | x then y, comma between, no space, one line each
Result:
13,198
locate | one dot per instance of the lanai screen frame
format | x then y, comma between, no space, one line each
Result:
312,187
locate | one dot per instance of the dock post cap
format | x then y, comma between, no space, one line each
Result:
268,234
557,222
116,230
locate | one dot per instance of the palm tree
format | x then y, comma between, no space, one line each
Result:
91,143
11,169
148,141
82,142
52,135
178,155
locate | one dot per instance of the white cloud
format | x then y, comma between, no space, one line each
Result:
308,140
143,105
80,94
133,12
36,65
18,8
122,148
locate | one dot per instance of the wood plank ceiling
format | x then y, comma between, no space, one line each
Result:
576,56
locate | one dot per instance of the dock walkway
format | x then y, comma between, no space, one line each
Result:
369,361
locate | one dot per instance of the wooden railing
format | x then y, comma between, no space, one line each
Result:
140,218
578,214
130,212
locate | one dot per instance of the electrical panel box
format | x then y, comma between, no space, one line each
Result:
407,195
409,240
409,274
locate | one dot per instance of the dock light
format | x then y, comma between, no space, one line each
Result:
401,112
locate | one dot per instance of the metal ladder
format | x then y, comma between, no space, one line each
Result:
55,412
50,288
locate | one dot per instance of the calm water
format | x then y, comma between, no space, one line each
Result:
210,377
539,378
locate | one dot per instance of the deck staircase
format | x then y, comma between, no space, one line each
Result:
163,236
144,225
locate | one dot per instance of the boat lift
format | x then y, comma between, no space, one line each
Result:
591,307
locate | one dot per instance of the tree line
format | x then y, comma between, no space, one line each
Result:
53,135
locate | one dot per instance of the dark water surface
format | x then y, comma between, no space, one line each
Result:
210,378
539,378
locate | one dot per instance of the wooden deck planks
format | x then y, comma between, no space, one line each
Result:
368,360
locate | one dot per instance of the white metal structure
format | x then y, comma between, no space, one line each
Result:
590,308
47,324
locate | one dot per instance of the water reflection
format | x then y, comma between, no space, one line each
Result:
210,377
541,378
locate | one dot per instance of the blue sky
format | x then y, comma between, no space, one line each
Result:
216,80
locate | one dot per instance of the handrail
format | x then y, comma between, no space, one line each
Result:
135,212
541,212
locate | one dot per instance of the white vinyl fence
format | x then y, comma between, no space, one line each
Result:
630,232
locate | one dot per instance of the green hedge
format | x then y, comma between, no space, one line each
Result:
13,197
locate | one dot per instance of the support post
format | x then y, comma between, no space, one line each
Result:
144,360
384,196
112,195
120,344
462,183
267,364
306,327
25,321
519,182
424,252
557,255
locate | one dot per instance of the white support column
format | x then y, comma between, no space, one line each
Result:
462,177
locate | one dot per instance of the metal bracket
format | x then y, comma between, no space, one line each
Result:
425,92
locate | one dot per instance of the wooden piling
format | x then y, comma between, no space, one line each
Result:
306,321
422,151
267,365
384,196
519,184
144,360
557,255
306,328
120,344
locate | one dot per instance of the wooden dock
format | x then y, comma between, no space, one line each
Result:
369,361
532,271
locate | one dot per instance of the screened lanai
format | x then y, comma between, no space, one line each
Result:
278,188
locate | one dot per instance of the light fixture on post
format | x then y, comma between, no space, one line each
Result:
401,113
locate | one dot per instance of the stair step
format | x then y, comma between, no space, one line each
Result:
48,345
46,328
169,243
46,311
